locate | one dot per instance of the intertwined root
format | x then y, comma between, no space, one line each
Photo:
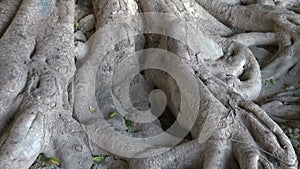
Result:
253,130
241,133
36,68
36,87
239,70
284,106
284,58
245,136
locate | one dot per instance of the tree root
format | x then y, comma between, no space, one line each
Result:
112,105
39,62
285,57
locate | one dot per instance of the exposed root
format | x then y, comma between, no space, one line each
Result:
238,69
121,89
8,11
286,56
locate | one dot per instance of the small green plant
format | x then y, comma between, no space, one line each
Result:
129,123
54,160
271,81
77,25
98,159
130,130
44,160
92,109
113,114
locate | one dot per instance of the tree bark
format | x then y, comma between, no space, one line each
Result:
146,63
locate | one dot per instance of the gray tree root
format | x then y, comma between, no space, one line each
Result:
240,142
276,19
36,67
284,106
74,111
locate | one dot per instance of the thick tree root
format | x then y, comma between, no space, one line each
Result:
37,65
235,113
202,72
286,56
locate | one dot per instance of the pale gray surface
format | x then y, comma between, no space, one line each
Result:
45,98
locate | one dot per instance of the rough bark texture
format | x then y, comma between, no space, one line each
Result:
149,83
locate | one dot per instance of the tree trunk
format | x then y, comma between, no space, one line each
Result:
149,83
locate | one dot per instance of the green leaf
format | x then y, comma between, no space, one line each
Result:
92,109
128,122
43,159
77,25
98,159
54,160
113,114
273,81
